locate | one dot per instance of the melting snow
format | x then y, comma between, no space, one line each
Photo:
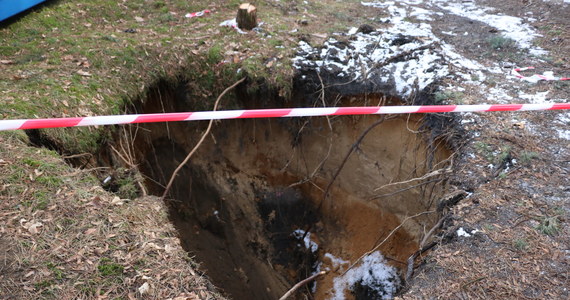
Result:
407,56
372,272
511,27
309,244
335,261
499,95
462,232
537,98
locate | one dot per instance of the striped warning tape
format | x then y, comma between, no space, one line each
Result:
268,113
537,77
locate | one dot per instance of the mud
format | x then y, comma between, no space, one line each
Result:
253,183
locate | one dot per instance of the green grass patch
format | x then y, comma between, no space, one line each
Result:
549,226
499,42
526,157
108,268
448,96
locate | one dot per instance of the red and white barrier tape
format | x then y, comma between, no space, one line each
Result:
268,113
197,14
537,77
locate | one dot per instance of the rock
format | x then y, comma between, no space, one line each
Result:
365,28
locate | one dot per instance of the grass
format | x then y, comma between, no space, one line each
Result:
526,157
84,243
521,244
448,97
108,268
485,150
499,42
48,48
504,155
549,226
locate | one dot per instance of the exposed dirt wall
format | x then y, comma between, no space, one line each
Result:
253,182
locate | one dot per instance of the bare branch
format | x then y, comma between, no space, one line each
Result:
171,181
301,283
426,176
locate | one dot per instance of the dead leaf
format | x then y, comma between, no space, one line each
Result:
83,73
117,201
139,19
18,77
144,289
34,228
187,296
90,231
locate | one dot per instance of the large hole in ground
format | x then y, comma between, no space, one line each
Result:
244,201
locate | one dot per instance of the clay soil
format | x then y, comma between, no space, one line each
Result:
254,182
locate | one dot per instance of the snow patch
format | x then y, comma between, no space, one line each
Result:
309,244
407,56
462,232
335,261
511,27
372,272
538,98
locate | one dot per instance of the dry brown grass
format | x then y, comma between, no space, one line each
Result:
78,241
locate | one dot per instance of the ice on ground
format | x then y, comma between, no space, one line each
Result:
309,244
372,272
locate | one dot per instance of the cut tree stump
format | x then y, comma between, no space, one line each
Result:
246,16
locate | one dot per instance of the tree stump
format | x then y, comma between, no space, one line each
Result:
246,16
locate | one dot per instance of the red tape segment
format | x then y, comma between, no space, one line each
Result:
269,113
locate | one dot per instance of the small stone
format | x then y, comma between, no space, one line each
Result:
365,28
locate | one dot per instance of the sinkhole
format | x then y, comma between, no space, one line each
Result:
265,203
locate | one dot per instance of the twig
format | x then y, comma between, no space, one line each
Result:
76,155
385,239
405,189
125,159
428,175
171,181
465,285
301,283
422,248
